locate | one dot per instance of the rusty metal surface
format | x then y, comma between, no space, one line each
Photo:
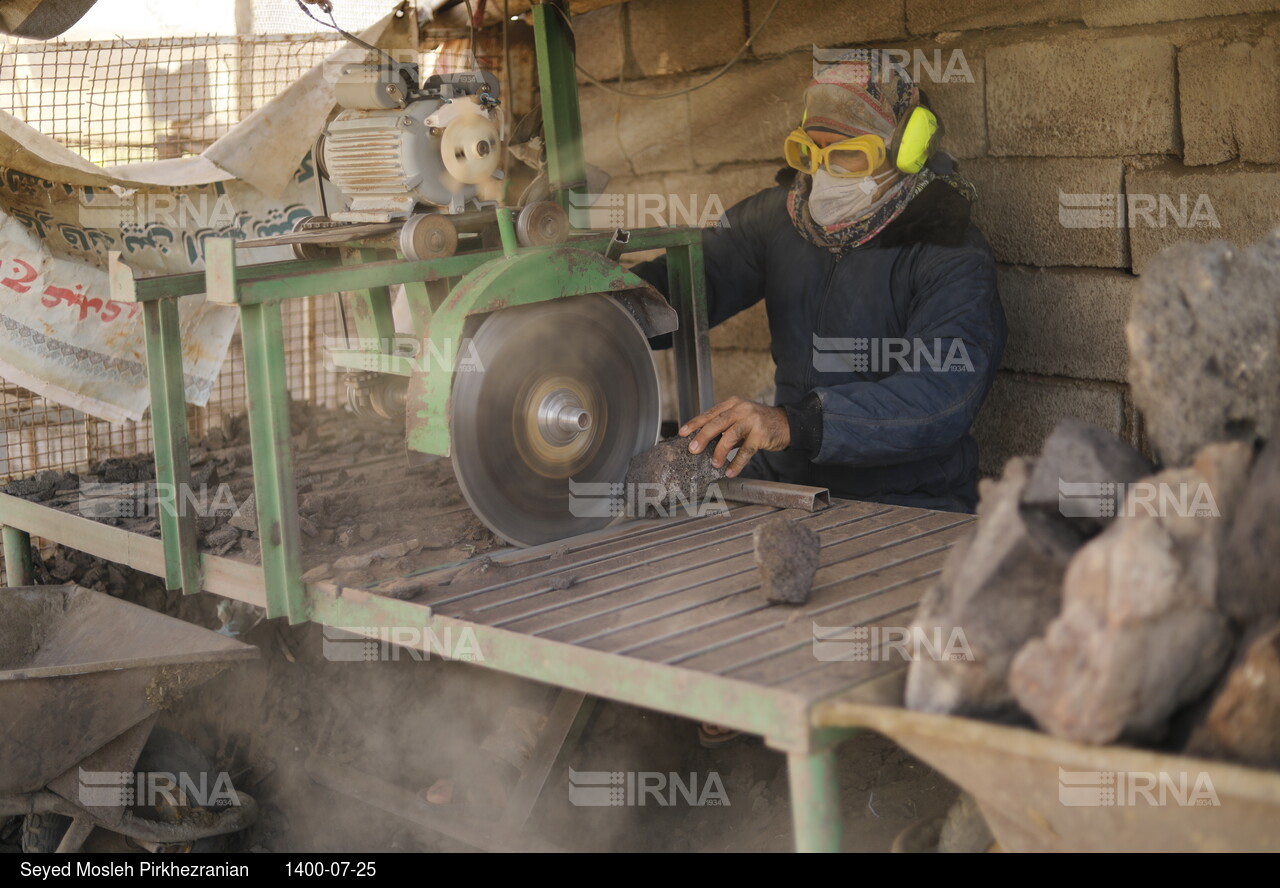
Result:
775,493
1024,781
331,236
685,592
79,668
665,614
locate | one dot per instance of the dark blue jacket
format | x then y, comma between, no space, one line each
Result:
868,421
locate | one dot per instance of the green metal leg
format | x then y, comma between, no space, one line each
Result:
17,557
692,342
558,87
565,724
169,436
261,328
815,800
372,308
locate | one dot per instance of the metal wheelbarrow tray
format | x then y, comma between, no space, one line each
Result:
81,676
1040,793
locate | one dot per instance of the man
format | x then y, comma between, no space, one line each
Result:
886,327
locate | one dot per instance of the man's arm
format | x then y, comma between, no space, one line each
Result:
734,258
956,315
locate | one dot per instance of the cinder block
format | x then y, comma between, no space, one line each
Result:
1021,412
1066,321
1079,96
671,37
1220,120
800,24
746,114
1183,203
961,105
745,374
932,16
1110,13
654,133
600,142
1025,208
598,42
748,330
713,192
637,136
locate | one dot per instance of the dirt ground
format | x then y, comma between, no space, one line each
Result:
411,722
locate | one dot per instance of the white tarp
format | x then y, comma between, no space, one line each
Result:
60,215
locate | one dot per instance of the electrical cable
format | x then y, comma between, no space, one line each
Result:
471,40
327,7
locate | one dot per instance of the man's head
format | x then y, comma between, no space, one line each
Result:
855,116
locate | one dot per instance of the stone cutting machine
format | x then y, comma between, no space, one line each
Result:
531,369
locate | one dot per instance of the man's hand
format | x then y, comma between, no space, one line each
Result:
749,426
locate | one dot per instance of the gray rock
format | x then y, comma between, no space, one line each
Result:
1139,634
353,562
316,574
964,830
1202,333
1080,453
204,476
1000,586
220,537
787,555
246,517
667,478
1249,586
403,588
395,550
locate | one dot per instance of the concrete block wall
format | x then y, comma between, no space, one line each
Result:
1061,111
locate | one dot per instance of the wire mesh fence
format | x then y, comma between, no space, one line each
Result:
38,434
126,101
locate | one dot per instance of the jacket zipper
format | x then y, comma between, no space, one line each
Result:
811,375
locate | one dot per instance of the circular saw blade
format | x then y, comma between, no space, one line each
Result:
563,395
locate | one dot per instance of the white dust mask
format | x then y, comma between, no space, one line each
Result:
833,199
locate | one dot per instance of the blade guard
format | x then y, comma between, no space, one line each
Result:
528,277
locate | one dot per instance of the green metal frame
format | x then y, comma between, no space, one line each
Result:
486,281
443,295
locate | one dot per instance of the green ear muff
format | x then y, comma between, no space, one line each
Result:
916,143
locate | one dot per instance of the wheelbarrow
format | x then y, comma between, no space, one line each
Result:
1040,793
83,677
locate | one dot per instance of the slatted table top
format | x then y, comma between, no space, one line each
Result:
686,592
667,615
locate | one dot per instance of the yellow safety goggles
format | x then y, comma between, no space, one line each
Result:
847,159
